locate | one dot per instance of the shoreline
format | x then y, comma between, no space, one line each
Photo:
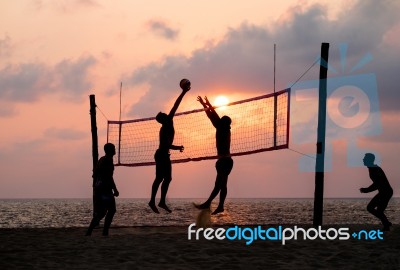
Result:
150,247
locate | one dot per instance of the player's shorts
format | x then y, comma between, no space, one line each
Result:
224,165
163,164
104,202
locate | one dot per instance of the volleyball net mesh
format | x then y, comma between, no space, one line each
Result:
258,124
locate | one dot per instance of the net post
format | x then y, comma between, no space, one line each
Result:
275,116
319,165
119,143
274,65
288,117
93,124
275,98
108,129
95,150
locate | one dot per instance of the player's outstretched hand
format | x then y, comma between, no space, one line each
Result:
199,99
207,102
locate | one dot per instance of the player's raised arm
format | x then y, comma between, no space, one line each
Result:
185,85
211,113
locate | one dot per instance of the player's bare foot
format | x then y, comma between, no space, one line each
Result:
201,206
165,207
154,208
386,227
218,210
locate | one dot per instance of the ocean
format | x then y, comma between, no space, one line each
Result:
66,213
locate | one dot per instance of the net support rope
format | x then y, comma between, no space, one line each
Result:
258,124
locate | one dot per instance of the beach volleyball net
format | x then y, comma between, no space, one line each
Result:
258,124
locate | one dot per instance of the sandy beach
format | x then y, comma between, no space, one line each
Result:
169,248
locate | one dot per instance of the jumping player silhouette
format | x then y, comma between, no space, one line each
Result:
162,155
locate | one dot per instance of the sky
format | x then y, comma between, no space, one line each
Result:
54,54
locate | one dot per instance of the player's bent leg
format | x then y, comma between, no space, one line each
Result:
372,205
383,202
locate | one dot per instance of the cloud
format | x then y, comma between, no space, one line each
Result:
72,77
6,47
87,3
27,82
36,4
23,83
243,59
64,6
161,28
64,134
26,148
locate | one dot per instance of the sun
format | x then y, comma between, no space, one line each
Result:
220,101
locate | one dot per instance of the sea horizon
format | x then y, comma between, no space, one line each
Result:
186,198
77,212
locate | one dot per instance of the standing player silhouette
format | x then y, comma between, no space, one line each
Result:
163,161
224,163
378,203
104,191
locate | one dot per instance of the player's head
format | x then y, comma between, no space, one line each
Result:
369,159
161,117
226,121
109,149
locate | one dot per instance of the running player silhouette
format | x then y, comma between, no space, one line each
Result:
163,161
378,203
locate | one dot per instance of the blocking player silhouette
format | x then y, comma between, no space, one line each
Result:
224,163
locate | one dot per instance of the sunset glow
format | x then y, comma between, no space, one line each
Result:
221,101
54,54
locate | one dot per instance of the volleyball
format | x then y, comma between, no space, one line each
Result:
184,83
